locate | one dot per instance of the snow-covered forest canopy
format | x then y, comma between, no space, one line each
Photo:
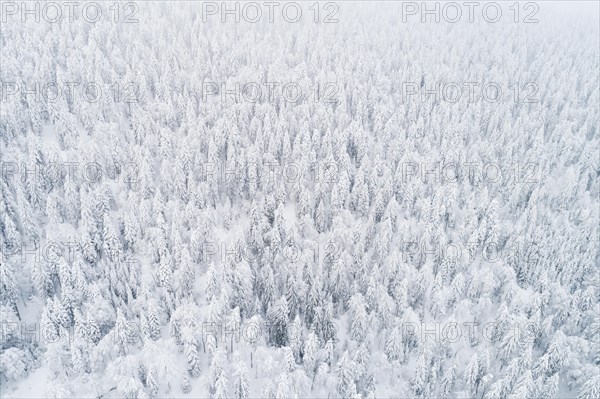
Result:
299,200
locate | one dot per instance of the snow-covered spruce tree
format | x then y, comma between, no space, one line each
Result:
241,387
277,317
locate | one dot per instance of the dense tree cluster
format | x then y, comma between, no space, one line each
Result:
300,249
